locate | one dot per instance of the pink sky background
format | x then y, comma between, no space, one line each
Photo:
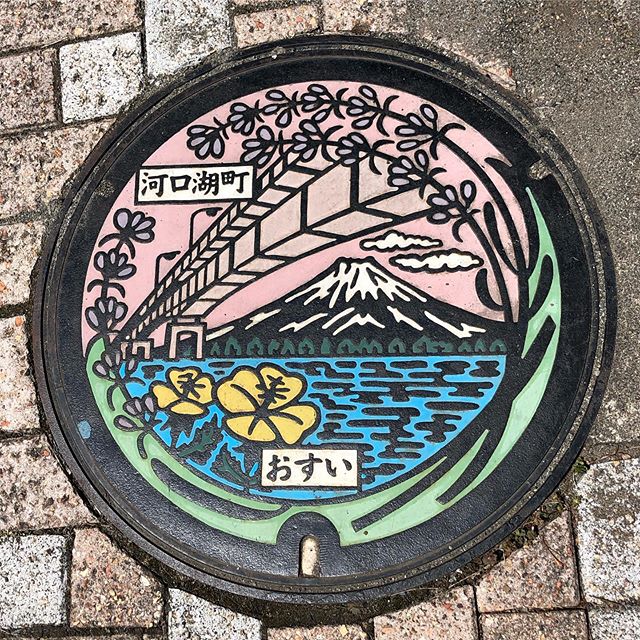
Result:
172,221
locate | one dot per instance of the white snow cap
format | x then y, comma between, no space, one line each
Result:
357,279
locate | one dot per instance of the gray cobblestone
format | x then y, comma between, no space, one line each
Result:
192,618
608,531
112,636
100,76
551,625
182,32
334,632
33,581
19,250
250,4
615,624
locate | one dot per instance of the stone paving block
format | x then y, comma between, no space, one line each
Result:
542,575
18,411
182,32
451,617
362,16
19,249
276,24
608,530
35,493
615,624
26,90
35,166
552,625
192,618
29,23
101,76
33,580
108,588
338,632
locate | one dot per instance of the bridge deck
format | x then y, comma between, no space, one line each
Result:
300,209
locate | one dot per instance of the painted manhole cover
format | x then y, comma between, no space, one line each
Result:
324,323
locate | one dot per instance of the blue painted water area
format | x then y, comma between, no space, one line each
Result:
398,411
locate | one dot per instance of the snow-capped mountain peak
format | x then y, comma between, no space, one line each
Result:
351,299
352,279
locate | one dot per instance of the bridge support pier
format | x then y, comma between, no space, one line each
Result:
186,326
139,348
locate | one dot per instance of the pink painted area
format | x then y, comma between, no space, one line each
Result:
446,286
172,221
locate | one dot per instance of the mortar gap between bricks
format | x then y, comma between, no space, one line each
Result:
23,132
576,551
143,45
70,538
57,84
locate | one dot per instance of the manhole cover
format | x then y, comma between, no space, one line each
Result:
325,322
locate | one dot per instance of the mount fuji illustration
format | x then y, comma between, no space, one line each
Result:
354,302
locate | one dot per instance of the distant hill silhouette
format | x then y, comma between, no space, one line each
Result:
356,307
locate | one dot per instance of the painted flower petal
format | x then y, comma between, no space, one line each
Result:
240,425
178,377
203,389
186,408
241,393
164,394
293,421
288,388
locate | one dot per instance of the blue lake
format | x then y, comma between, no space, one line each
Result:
398,411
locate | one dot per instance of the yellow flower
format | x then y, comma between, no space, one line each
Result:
262,404
187,392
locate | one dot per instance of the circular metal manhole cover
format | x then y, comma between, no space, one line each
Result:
325,322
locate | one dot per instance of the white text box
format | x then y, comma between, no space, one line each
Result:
313,467
197,183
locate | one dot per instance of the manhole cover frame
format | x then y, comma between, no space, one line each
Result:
557,161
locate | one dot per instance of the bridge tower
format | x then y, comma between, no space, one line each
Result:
186,326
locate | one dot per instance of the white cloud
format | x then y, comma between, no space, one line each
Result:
395,240
438,261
